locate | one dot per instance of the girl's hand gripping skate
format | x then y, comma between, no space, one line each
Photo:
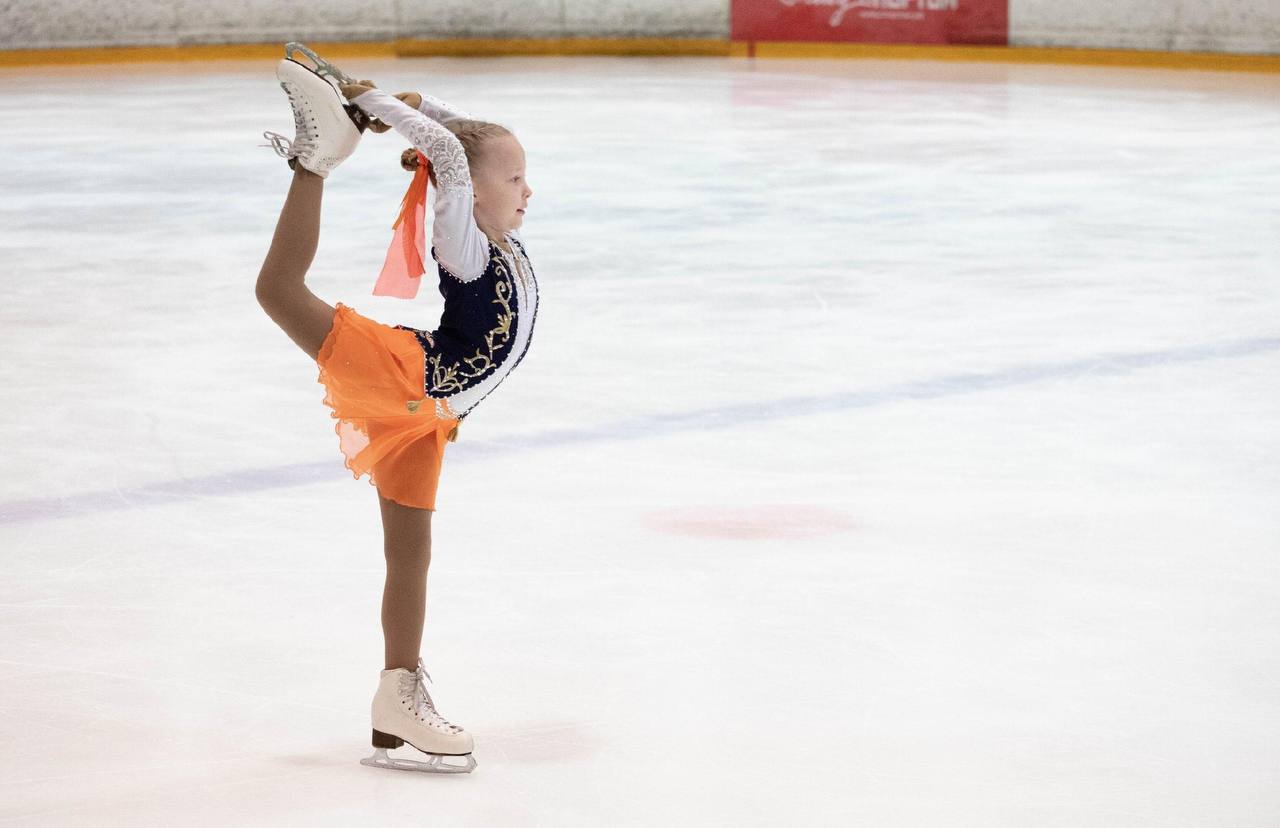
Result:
354,90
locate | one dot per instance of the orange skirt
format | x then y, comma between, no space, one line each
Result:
374,376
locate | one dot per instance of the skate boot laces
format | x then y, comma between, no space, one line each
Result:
305,137
286,148
422,699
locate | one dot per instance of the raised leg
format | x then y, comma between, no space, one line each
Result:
281,288
407,546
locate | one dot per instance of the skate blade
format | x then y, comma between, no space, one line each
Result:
324,68
435,762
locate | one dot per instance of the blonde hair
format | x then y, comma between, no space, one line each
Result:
471,134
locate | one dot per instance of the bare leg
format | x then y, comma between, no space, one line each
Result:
407,546
281,291
307,320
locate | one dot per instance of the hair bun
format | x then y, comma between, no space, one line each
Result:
409,159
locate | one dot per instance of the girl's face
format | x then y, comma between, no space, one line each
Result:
501,192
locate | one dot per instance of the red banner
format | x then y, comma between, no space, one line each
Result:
983,22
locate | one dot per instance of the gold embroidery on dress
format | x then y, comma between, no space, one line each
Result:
446,378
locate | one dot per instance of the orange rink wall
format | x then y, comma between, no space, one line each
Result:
655,47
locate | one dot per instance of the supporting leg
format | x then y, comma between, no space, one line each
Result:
281,289
407,547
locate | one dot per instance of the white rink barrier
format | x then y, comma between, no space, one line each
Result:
1227,26
1244,26
35,24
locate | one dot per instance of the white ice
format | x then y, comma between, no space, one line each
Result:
899,445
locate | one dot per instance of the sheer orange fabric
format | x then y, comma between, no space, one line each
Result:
373,376
402,270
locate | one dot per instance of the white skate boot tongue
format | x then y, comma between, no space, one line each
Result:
423,700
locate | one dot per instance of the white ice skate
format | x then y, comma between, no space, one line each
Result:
326,132
403,712
335,76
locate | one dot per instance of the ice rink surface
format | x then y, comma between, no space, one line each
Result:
898,446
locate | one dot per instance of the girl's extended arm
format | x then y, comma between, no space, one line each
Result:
438,110
458,243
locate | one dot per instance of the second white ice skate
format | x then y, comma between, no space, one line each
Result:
404,712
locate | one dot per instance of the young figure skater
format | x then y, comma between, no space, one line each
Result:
398,393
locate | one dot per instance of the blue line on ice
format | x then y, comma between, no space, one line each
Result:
248,480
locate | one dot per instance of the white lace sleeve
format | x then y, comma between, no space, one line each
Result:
459,244
438,110
437,143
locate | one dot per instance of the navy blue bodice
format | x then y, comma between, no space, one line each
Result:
484,331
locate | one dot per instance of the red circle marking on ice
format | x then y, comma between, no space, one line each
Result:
751,523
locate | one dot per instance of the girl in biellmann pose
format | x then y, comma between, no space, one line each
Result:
398,393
